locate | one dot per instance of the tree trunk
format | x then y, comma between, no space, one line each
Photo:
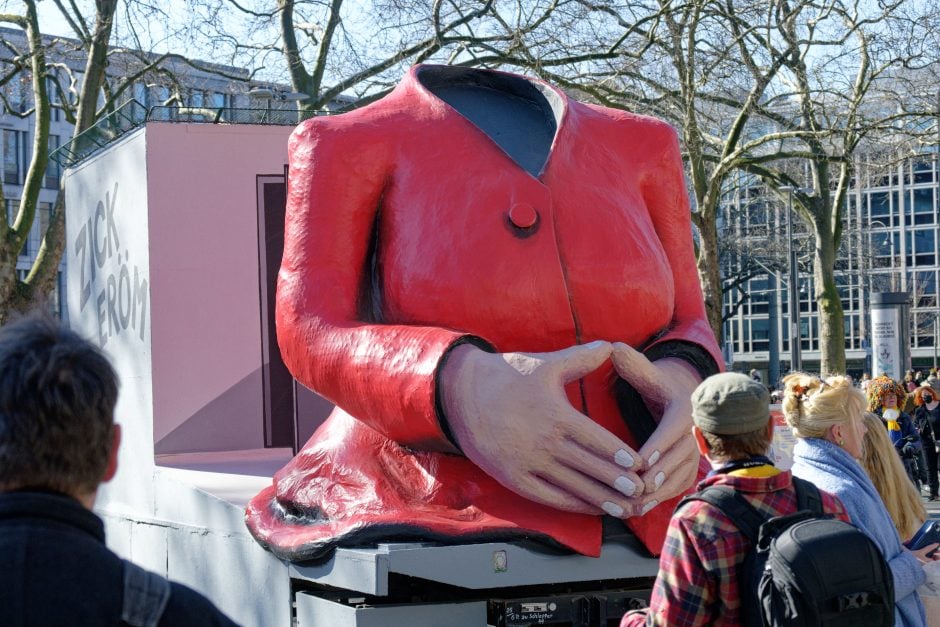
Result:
709,273
96,65
831,318
14,294
43,276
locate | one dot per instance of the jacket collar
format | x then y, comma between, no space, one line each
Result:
773,483
419,82
50,506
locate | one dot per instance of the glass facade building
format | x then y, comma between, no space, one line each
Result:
889,243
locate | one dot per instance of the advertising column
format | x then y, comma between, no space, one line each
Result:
890,333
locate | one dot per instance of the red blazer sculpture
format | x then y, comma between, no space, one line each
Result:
496,286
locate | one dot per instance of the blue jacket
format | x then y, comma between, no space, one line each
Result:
58,571
834,470
908,432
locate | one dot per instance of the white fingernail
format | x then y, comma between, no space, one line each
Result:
625,485
623,458
613,509
594,344
648,507
654,458
658,480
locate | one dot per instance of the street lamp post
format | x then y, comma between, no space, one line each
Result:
889,241
796,362
773,333
773,352
936,336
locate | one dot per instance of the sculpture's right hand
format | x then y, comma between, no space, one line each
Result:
509,414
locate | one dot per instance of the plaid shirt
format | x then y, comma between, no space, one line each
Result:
698,579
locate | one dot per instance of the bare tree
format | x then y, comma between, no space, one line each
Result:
786,91
331,49
84,77
833,94
704,66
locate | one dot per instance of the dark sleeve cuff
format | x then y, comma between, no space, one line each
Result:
695,355
480,343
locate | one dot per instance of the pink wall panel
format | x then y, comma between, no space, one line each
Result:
204,281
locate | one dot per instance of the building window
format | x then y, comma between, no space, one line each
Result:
161,95
40,224
55,102
923,206
53,169
141,94
760,334
925,288
196,99
925,247
218,100
18,93
14,149
880,205
923,170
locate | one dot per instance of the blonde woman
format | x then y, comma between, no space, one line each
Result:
826,417
886,471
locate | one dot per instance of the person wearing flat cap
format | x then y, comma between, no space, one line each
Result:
698,582
927,423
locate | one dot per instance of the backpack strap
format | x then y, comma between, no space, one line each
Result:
807,496
744,515
145,596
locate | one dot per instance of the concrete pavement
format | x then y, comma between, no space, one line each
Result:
933,508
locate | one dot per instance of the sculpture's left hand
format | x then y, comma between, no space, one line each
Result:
666,387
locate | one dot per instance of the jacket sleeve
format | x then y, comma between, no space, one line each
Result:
908,574
907,431
330,339
693,579
664,191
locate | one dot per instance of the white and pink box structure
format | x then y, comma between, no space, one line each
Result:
174,235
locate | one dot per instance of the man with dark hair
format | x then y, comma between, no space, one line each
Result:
699,582
58,443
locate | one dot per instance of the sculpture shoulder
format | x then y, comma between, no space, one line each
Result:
648,136
346,126
629,121
354,136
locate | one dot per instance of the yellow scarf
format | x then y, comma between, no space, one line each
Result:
891,415
764,470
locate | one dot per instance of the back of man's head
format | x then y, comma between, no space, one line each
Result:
57,397
732,411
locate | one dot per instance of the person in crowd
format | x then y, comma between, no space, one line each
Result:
866,380
698,581
58,443
885,396
908,399
887,473
827,418
927,423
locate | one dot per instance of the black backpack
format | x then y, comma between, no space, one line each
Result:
808,568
